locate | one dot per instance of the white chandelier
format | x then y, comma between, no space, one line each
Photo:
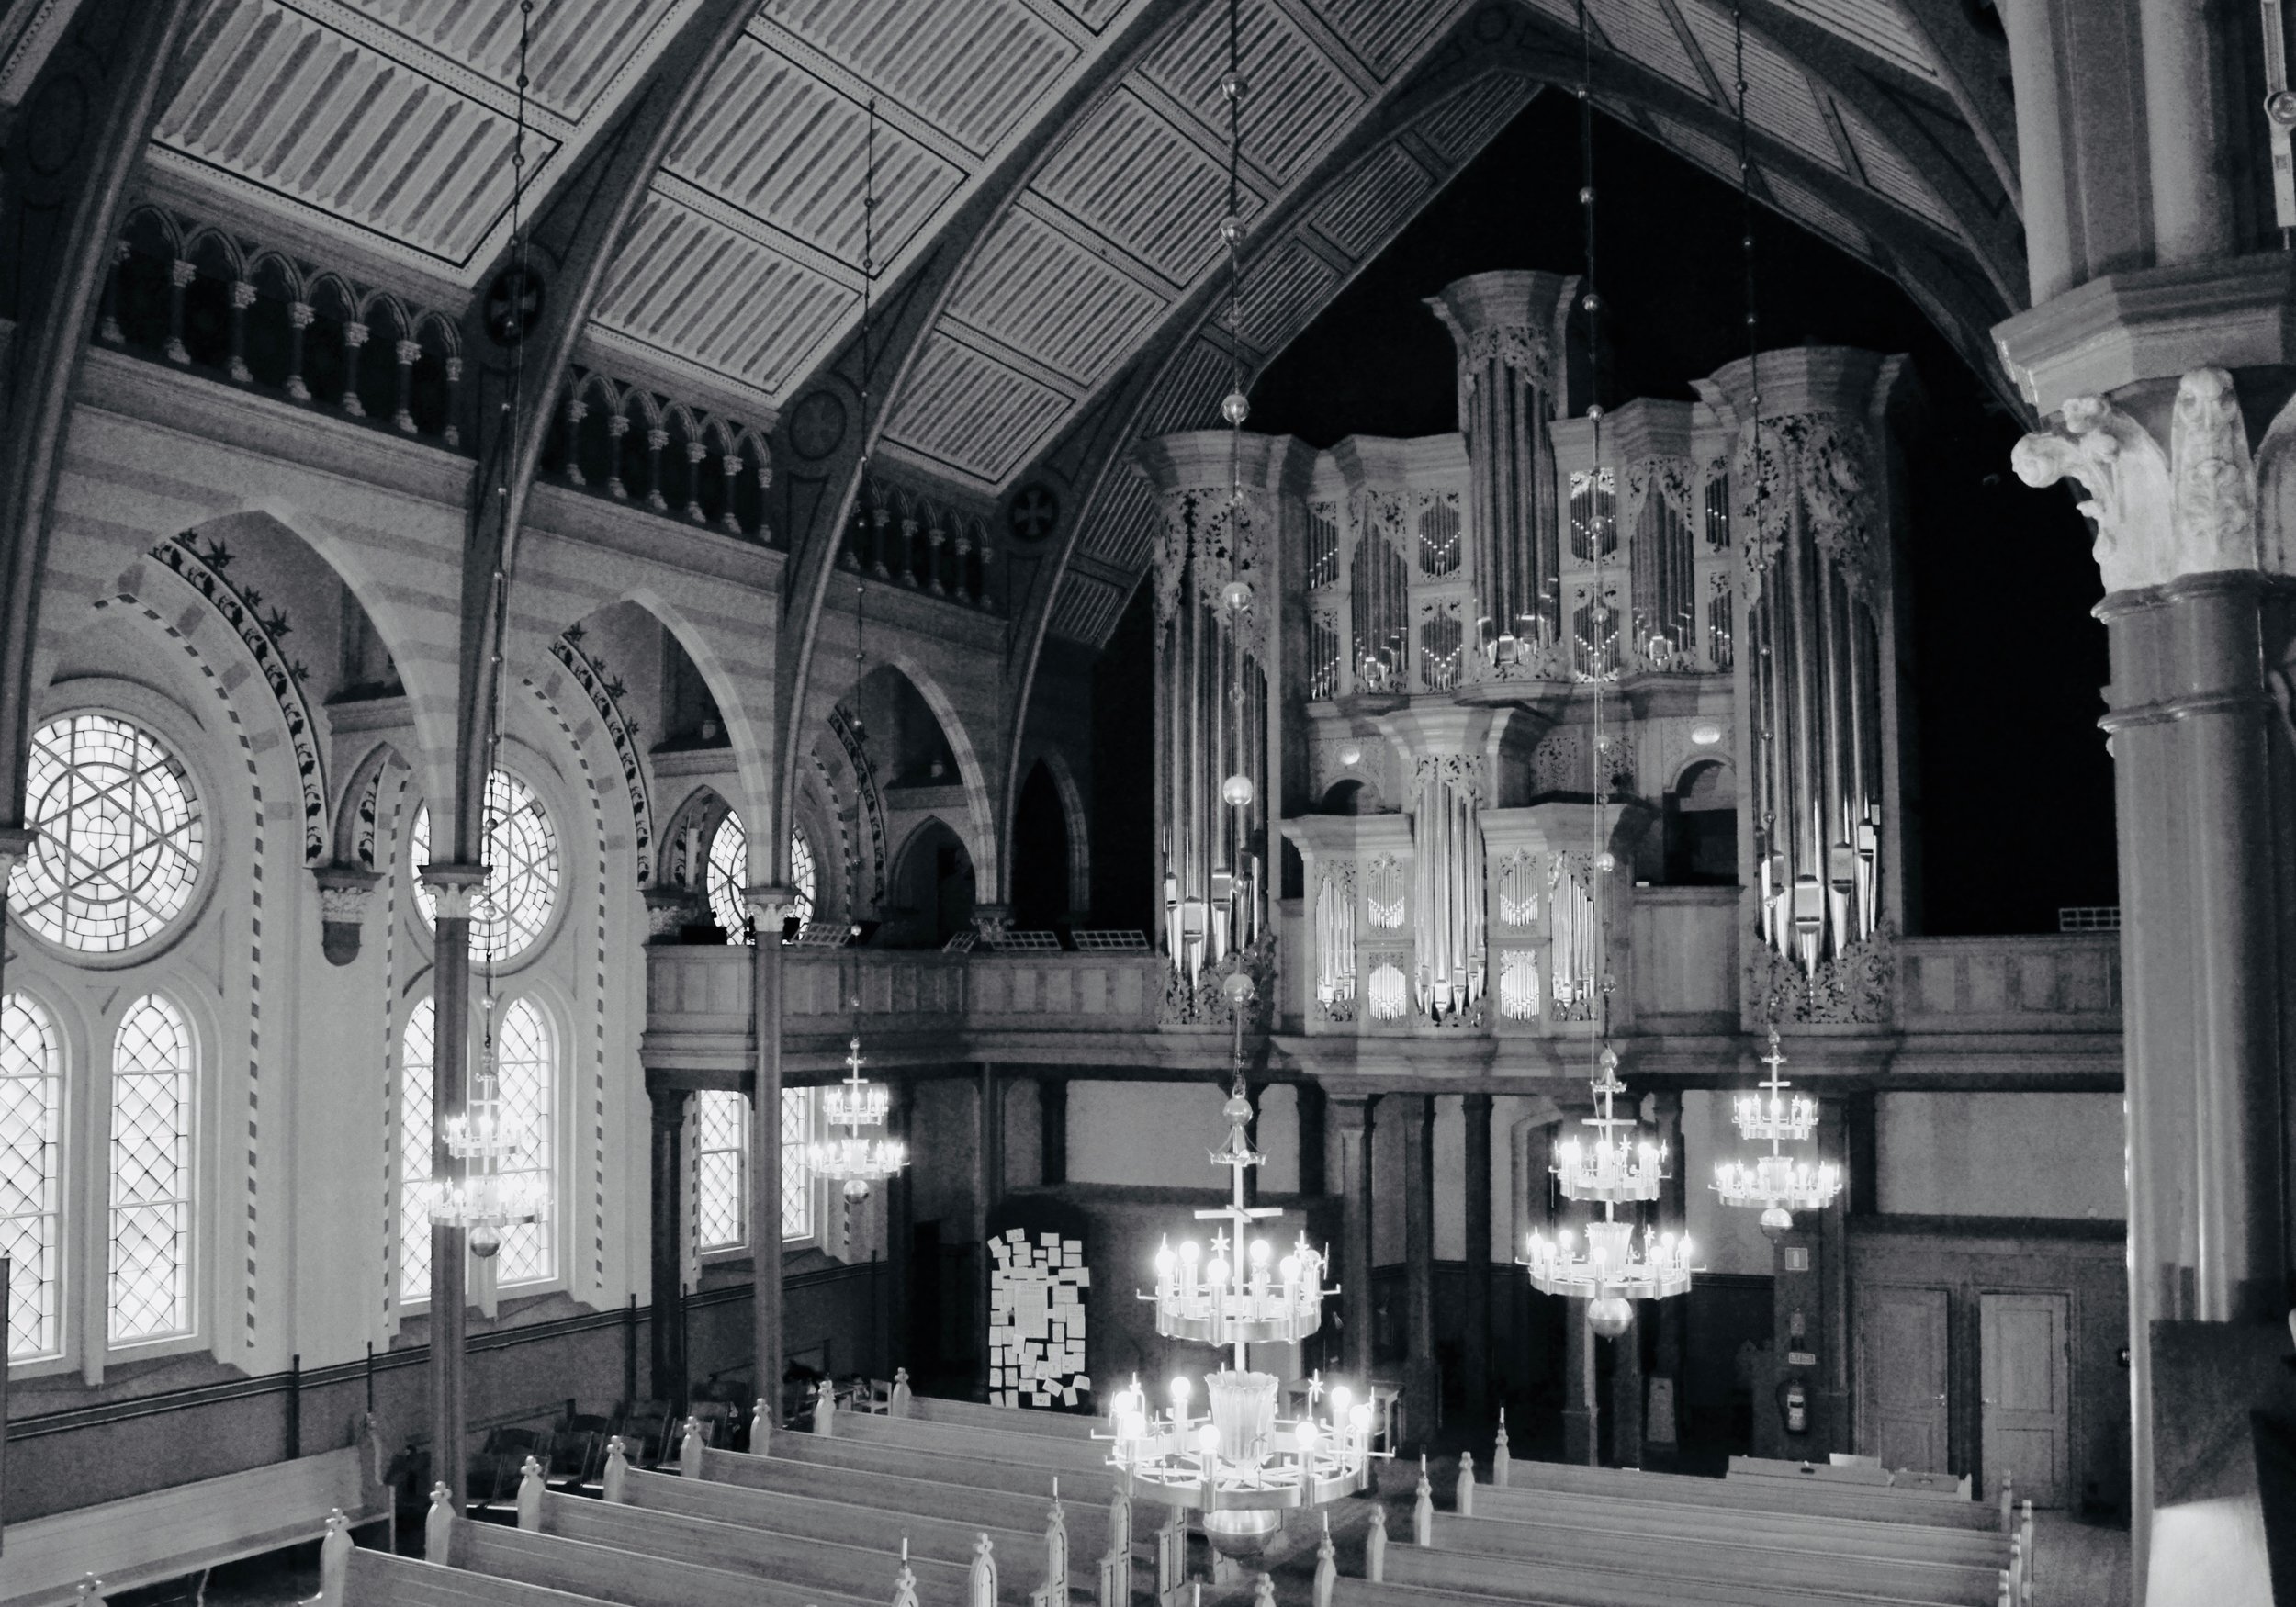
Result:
487,1197
1239,1464
1617,1167
849,1158
1776,1183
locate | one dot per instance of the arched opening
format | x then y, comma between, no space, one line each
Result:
1699,827
931,897
906,742
1039,847
1348,797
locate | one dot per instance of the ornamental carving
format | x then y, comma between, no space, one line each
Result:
1559,763
1524,348
1855,987
1461,772
872,810
2159,516
1817,468
606,693
1206,535
261,633
1204,1003
1674,480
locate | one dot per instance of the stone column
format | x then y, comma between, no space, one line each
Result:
988,1187
1581,1408
900,1234
767,906
454,889
669,1316
1625,1390
1351,1119
1669,1318
1422,1380
1475,1352
1312,1109
1051,1094
2201,610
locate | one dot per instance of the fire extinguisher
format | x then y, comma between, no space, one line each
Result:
1794,1406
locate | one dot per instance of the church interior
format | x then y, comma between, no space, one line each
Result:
1439,803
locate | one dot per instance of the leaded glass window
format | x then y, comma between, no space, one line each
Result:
525,1067
729,877
121,836
797,1166
721,1166
415,1079
151,1174
31,1108
512,909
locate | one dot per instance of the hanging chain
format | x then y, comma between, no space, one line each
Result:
1597,642
1236,406
868,266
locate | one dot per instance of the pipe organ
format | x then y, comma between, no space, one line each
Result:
1226,509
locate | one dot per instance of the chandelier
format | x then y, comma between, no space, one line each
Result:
1238,1464
848,1157
1615,1167
487,1196
1776,1183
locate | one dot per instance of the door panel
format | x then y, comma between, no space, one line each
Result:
1902,1376
2027,1397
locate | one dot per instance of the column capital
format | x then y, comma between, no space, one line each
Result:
454,888
2162,514
345,894
16,841
770,903
1348,1112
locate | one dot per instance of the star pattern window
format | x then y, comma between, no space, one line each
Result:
121,836
513,910
525,1061
729,877
415,1074
150,1295
31,1108
721,1166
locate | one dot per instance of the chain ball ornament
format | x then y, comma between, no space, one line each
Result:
486,1241
1586,195
1235,596
1610,1316
2281,108
1236,790
1230,229
1232,84
1605,862
1594,409
1776,1223
1351,754
1238,987
1592,303
1235,408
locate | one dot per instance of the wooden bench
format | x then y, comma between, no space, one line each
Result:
1760,1495
1907,1484
376,1579
971,1472
986,1443
613,1575
1627,1579
187,1530
1065,1425
1671,1519
1747,1561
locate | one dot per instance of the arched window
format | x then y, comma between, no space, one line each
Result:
153,1067
728,878
522,855
414,1151
31,1108
121,836
526,1064
721,1168
797,1106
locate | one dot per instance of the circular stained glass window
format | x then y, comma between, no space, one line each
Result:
522,856
121,836
729,877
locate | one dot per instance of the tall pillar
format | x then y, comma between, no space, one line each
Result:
669,1325
1625,1391
767,906
1052,1129
454,888
1670,1320
1475,1352
2201,611
1581,1408
1422,1380
1313,1114
900,1233
1351,1119
989,1175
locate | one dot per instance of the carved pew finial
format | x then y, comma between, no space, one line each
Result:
1326,1565
1463,1495
1502,1465
615,1478
1375,1546
1423,1509
530,1488
904,1582
438,1528
981,1583
899,1405
1264,1594
825,1410
690,1449
760,1430
334,1557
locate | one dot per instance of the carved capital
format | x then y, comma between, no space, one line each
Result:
16,841
345,894
992,923
771,906
454,888
2159,515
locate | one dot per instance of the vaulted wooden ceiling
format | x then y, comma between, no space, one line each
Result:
384,126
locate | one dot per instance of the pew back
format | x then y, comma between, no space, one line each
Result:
1013,1478
1059,1425
979,1442
1760,1495
611,1574
1846,1536
917,1499
378,1579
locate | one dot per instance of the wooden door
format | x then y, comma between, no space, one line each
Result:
2027,1397
1902,1353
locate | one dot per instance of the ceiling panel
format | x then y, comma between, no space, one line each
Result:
649,297
1086,609
1778,97
1368,205
1280,295
1384,34
574,50
1095,15
1187,396
962,409
1036,289
792,151
1293,95
1134,177
1640,29
1715,155
1123,520
975,69
1874,24
1892,174
1466,122
1805,205
277,103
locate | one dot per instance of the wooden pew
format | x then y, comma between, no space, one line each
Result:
188,1529
981,1441
378,1579
1628,1580
971,1472
1061,1425
1089,1526
1758,1495
616,1576
1746,1560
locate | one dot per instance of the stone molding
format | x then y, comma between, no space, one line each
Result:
455,888
2162,515
346,893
